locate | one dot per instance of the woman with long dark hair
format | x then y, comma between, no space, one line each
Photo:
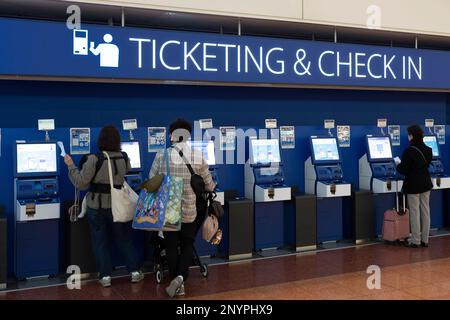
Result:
93,175
417,185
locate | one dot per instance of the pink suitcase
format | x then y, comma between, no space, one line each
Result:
396,223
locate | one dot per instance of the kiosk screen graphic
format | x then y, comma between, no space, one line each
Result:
265,151
207,148
134,153
36,158
431,141
379,148
325,149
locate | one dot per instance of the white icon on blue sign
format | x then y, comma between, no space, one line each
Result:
80,42
109,52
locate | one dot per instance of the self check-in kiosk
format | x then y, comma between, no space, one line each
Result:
324,178
440,181
264,184
133,150
36,209
378,174
323,170
377,169
437,172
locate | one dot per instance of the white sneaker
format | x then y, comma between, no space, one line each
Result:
137,276
174,286
105,281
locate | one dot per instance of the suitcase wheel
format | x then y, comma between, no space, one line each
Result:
159,276
204,270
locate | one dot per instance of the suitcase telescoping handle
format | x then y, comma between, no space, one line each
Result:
400,212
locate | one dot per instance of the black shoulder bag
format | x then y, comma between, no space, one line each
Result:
197,183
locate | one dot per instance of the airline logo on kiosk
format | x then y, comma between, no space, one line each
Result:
138,53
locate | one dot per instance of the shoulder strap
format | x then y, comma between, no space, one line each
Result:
125,156
425,159
186,161
165,157
98,165
111,181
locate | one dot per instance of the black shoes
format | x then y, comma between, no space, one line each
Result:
411,245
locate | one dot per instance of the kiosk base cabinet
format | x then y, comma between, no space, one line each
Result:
237,226
305,222
362,215
329,219
437,209
37,248
269,225
3,252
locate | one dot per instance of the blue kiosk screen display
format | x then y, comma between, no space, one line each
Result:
431,142
134,153
265,151
379,148
207,148
36,158
325,150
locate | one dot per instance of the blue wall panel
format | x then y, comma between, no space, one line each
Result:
94,105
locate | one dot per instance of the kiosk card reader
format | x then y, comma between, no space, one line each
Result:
133,150
207,148
377,169
36,209
264,177
438,176
323,171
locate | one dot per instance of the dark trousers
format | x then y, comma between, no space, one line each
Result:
180,245
102,227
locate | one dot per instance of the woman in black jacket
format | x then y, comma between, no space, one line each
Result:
417,185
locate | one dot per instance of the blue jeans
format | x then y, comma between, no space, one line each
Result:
102,226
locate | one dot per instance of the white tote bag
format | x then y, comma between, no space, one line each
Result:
123,201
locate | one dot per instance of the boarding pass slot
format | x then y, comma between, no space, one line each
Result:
30,209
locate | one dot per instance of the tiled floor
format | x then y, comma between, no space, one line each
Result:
337,274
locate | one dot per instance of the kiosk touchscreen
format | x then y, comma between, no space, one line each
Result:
133,150
323,171
264,178
437,172
379,148
377,169
36,209
431,141
208,150
324,150
36,159
265,152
